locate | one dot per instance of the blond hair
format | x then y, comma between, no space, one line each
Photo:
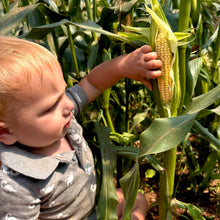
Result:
19,60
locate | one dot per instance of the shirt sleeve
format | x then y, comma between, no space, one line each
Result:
79,98
16,200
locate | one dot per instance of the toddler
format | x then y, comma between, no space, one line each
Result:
47,169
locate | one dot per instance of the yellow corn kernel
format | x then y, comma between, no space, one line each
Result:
165,82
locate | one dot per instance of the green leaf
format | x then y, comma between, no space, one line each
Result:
216,176
194,212
107,203
209,169
140,30
41,31
123,139
211,39
154,163
13,19
138,118
75,10
52,4
129,184
134,37
128,151
181,35
165,134
93,55
201,102
195,66
150,173
207,136
205,112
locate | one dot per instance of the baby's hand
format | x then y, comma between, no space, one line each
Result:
142,65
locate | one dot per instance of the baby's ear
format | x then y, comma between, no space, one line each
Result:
6,136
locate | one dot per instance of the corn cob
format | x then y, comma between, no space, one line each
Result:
165,82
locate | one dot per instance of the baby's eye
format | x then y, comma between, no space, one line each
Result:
52,108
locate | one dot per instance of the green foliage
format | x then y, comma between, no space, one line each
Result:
107,202
83,34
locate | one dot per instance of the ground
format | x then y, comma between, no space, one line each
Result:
208,201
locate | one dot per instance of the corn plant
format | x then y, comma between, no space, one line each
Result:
171,90
80,40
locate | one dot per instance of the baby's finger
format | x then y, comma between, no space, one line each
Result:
153,74
150,56
153,64
146,49
147,83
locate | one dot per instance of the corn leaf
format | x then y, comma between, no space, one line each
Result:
158,10
203,101
12,19
134,37
181,38
165,134
205,112
129,184
208,167
93,55
128,151
139,30
192,74
40,32
206,135
195,212
106,208
154,163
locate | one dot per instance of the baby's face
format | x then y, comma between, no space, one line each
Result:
44,116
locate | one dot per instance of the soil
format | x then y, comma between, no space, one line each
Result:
208,201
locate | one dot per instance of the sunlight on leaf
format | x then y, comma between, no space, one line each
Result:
165,134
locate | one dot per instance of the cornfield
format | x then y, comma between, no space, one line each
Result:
131,130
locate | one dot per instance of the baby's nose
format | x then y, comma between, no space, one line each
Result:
69,106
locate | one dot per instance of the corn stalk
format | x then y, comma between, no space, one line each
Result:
170,91
183,24
215,68
105,98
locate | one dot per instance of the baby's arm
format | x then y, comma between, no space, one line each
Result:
139,209
140,65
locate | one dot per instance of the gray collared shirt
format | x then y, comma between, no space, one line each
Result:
62,186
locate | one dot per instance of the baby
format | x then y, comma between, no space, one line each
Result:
47,169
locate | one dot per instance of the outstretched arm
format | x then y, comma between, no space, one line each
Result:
140,65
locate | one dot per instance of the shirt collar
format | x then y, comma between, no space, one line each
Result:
41,167
32,165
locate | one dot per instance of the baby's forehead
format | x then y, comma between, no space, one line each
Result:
22,62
